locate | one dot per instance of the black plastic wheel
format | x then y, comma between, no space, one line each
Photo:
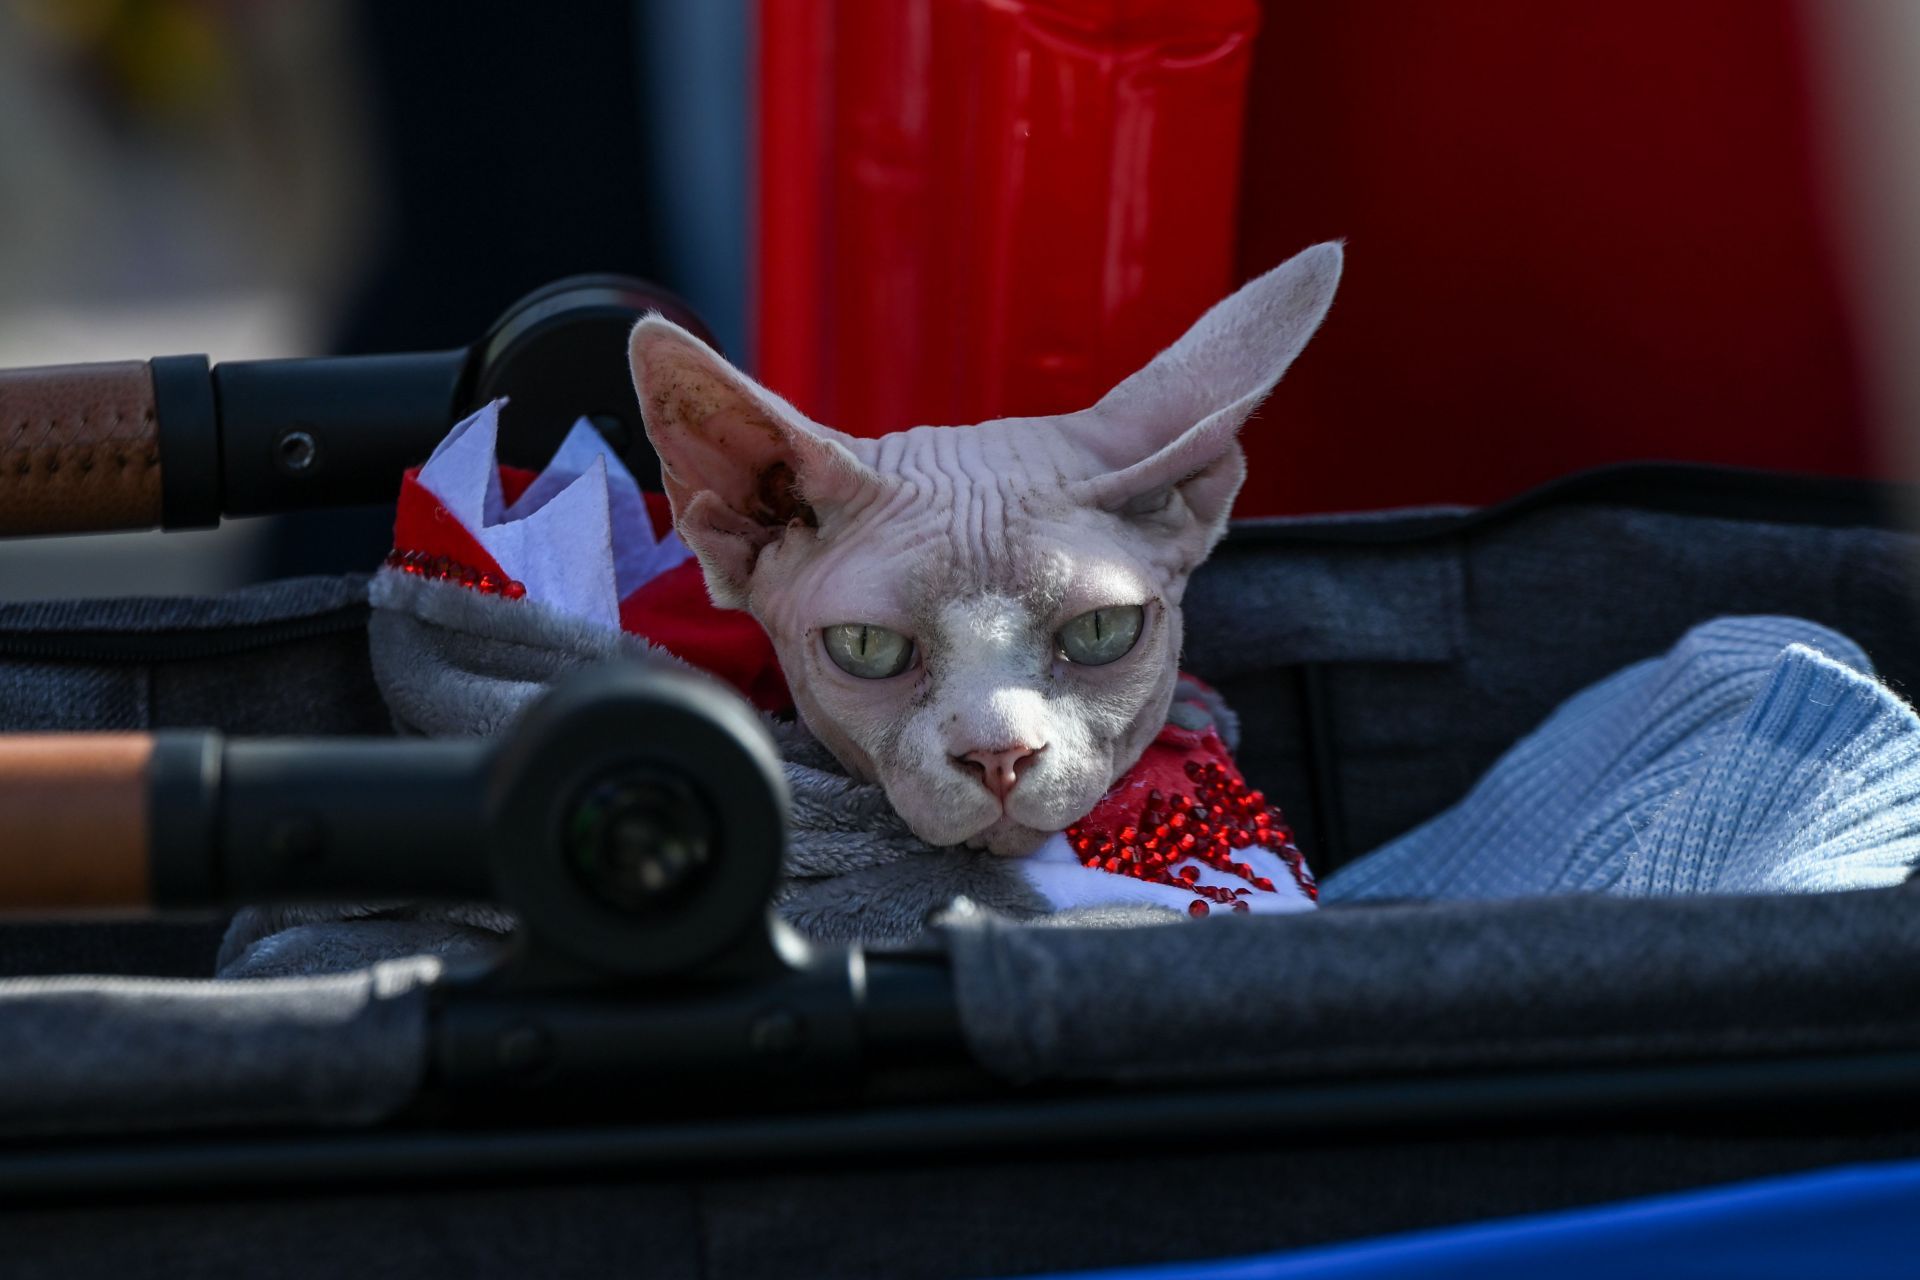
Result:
637,818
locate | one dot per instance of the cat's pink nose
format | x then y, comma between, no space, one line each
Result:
1000,770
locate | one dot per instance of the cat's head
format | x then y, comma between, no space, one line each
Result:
985,619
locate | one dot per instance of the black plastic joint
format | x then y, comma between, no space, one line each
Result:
189,423
183,810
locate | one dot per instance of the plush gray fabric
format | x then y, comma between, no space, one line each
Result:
854,872
453,664
119,1054
292,942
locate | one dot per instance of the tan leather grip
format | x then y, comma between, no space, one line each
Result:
79,449
73,822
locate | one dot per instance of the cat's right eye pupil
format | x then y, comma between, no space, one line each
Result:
1100,636
867,651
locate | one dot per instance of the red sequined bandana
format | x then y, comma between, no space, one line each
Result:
1185,808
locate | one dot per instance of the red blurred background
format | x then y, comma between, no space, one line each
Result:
1577,234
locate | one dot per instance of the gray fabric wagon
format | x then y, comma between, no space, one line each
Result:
1210,1089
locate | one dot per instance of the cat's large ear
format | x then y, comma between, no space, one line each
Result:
1167,435
740,465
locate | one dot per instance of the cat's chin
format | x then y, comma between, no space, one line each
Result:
1009,839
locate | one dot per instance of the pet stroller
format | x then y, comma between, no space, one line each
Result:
658,1080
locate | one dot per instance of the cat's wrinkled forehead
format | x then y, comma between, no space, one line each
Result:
961,510
1032,577
1010,456
938,540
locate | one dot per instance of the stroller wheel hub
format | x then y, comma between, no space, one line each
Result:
639,841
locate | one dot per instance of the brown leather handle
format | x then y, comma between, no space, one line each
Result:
73,822
79,449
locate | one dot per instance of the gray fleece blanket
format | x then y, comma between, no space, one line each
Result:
454,664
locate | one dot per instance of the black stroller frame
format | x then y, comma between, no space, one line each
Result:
655,1027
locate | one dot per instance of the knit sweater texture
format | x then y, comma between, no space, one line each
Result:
1759,755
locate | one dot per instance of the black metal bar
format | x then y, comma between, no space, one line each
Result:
909,1016
580,818
330,432
1707,1096
837,1027
349,819
354,819
594,1055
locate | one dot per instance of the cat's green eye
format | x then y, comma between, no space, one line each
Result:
1102,635
870,652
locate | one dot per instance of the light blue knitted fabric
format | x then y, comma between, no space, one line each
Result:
1758,756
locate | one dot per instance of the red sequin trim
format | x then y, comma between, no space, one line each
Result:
1173,832
442,569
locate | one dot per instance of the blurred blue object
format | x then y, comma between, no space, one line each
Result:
1860,1221
693,95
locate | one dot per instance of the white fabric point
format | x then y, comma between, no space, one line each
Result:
579,538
